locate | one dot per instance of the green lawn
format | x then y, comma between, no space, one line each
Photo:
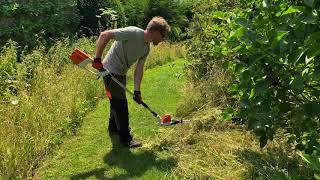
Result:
92,154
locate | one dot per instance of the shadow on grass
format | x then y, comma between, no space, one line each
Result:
274,164
134,164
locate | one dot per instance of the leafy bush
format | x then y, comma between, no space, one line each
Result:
175,12
36,22
272,50
135,11
94,18
276,50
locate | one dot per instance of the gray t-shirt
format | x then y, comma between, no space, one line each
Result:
128,47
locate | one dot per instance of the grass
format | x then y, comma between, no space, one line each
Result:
43,98
204,149
92,153
207,148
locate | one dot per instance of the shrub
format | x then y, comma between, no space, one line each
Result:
175,12
271,48
37,22
94,17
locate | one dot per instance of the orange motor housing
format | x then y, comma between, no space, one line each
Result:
166,118
79,56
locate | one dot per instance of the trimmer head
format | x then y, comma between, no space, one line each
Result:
167,120
164,119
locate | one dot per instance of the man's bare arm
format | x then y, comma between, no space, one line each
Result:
138,74
102,41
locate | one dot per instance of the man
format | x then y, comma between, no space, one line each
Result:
131,44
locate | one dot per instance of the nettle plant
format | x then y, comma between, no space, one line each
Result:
273,48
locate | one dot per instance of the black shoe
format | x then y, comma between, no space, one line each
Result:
132,144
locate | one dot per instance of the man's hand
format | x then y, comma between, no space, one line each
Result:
97,64
137,97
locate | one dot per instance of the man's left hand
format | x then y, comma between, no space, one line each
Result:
137,97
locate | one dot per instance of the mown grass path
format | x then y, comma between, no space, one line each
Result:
92,154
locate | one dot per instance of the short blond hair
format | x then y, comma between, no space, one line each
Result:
159,24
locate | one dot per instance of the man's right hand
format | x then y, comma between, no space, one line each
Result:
97,64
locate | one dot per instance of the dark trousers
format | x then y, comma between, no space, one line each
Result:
119,114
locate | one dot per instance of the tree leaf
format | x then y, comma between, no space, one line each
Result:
292,9
312,160
218,14
251,94
266,3
300,147
237,33
298,55
305,72
308,60
280,35
314,50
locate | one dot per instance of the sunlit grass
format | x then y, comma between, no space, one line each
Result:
47,101
165,52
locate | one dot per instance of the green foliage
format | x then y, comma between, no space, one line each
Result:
135,11
175,12
276,59
95,15
272,49
41,22
37,21
206,32
314,163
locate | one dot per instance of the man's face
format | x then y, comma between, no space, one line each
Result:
157,37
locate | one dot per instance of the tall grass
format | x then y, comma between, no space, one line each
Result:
43,98
211,148
163,53
208,148
210,91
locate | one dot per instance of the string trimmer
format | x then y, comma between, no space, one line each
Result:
82,59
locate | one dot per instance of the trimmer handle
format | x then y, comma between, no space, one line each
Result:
146,106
